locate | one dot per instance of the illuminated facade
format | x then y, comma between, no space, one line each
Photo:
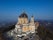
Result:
23,25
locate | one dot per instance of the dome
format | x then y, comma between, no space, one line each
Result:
23,15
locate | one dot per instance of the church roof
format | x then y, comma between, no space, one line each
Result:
23,15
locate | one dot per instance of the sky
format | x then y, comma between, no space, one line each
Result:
40,9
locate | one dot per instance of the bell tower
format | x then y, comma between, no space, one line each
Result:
32,20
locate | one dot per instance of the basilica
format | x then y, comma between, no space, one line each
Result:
24,26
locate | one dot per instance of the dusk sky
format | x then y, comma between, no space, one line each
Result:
40,9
